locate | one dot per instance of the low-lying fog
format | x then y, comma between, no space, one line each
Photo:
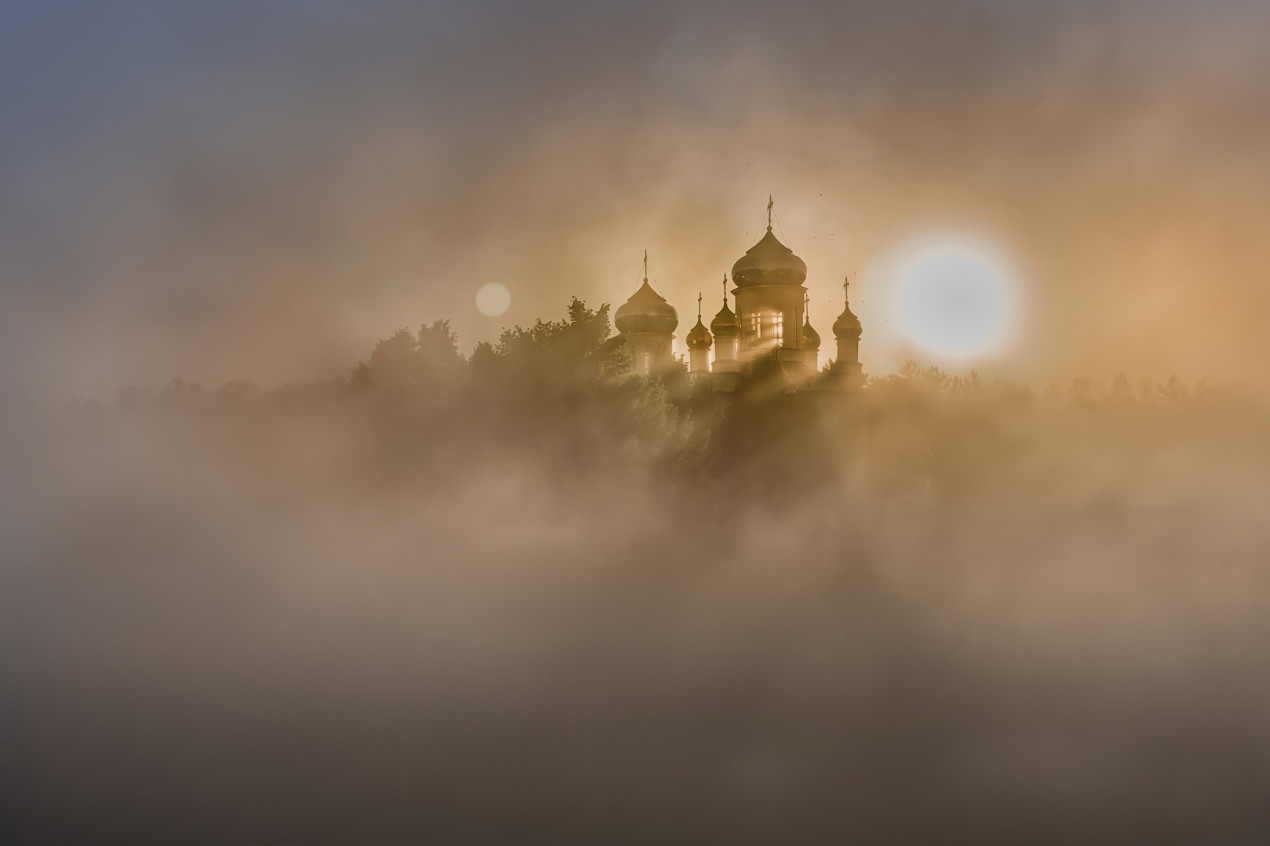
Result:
514,602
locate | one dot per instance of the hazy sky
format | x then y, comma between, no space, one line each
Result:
260,190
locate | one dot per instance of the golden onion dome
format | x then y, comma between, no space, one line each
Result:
699,336
811,338
769,262
725,322
847,325
646,312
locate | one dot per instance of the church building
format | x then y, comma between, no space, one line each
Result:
771,318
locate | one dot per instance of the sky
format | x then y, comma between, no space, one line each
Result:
261,190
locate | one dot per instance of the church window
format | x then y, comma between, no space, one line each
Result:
756,325
778,327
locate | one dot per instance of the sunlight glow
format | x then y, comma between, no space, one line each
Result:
954,298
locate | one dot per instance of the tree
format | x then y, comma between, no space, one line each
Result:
554,357
438,346
1174,389
1121,389
395,363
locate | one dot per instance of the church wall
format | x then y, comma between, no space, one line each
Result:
698,361
650,352
763,301
848,367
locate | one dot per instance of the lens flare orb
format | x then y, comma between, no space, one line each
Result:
493,300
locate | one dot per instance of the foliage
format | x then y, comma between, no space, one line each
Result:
557,394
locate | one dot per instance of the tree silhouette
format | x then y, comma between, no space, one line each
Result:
559,394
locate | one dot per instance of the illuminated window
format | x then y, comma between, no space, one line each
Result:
778,327
756,325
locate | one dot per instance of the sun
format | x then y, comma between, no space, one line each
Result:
954,298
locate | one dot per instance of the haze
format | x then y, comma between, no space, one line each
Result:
283,559
239,190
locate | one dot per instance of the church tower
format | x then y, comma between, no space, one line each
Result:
810,340
847,330
699,341
647,324
726,371
769,300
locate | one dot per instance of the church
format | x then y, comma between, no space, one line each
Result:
771,318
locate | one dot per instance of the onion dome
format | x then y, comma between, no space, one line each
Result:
769,262
847,325
811,338
725,322
646,311
699,336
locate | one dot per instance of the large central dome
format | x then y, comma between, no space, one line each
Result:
769,262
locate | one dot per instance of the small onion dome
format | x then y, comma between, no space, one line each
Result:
725,322
699,336
769,262
811,338
847,325
646,311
